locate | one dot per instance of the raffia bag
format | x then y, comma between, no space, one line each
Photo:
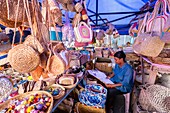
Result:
34,43
23,58
148,43
156,95
4,17
81,108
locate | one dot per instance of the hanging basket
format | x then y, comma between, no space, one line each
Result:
23,58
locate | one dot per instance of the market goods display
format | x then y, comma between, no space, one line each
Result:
31,102
23,58
67,82
56,90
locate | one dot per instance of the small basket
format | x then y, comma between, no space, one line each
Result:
5,104
81,108
23,58
69,86
62,92
78,7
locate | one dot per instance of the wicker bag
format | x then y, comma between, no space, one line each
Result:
155,95
34,43
148,43
23,58
144,100
7,103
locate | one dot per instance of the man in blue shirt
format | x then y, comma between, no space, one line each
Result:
122,76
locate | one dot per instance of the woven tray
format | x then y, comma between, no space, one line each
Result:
6,104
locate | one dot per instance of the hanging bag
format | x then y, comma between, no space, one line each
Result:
148,43
83,32
159,20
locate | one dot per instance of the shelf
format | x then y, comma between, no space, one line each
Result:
58,102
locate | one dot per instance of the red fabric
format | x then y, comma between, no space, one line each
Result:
80,44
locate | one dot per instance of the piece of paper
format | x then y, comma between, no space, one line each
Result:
101,76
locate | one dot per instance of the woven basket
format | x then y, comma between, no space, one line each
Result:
55,86
34,43
144,101
23,58
6,104
81,108
70,86
155,96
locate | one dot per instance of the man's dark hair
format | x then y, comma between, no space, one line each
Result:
120,54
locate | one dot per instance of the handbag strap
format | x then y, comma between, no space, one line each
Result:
142,27
16,17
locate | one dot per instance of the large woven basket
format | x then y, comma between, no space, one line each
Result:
156,95
81,108
6,104
23,58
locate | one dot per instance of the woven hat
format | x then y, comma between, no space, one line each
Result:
23,58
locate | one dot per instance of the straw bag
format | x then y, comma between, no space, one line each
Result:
83,32
71,7
23,58
34,43
148,43
55,64
28,94
4,17
158,20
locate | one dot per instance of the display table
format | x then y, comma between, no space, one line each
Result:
68,91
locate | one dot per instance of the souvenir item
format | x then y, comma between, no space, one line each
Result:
145,41
83,32
93,95
68,82
6,87
23,58
56,90
30,102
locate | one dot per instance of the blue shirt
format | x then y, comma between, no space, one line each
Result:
123,75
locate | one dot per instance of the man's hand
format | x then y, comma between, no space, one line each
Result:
110,76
